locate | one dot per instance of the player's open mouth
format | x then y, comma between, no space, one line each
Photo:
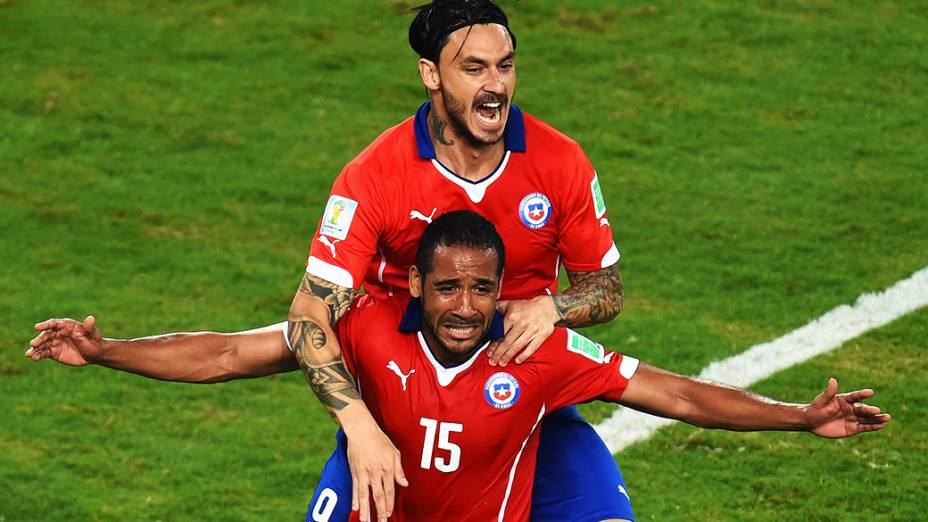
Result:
461,332
490,113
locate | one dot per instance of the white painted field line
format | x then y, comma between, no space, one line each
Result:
626,426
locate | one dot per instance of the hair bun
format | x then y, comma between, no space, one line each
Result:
434,21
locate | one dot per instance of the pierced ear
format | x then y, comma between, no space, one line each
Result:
428,71
415,282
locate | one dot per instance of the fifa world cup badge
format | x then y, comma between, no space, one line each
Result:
339,213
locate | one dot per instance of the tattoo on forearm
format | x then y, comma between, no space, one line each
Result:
336,297
593,297
438,129
332,384
327,375
329,380
302,331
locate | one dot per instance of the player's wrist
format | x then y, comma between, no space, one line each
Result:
105,356
792,417
806,413
356,419
552,312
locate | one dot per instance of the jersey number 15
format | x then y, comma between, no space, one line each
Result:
444,429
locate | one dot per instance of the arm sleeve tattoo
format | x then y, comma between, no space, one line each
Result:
316,348
593,297
337,298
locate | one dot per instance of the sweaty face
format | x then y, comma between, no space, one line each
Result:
478,82
458,300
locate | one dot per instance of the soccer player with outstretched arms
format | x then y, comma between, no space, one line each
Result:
467,430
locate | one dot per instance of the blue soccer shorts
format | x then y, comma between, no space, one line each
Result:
576,478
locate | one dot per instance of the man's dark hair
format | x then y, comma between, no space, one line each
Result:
459,228
436,20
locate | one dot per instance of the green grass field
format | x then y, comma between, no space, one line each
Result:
163,164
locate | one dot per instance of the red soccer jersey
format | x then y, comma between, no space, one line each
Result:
468,434
544,200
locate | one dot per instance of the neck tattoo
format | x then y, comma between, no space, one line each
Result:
438,129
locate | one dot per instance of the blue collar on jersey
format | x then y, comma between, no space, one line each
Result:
514,137
412,322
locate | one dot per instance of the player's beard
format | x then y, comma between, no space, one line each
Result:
459,354
457,117
432,326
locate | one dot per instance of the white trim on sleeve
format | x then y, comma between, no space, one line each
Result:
628,367
331,273
284,328
610,258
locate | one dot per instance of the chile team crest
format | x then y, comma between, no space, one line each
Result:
535,210
501,390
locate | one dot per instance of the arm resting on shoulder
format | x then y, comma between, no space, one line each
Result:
374,460
317,306
592,298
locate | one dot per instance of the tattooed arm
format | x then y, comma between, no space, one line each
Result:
374,460
592,298
318,304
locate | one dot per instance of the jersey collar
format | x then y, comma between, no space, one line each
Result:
513,137
412,322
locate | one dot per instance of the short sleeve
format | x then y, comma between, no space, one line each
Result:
350,229
585,240
579,370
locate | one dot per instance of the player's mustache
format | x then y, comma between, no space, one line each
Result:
462,323
502,99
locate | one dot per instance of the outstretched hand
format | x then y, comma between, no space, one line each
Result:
67,341
834,416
